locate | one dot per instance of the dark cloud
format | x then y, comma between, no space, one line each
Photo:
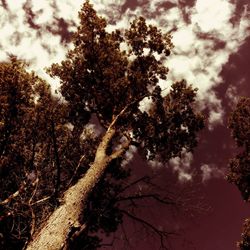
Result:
4,4
235,79
61,27
242,6
129,4
30,16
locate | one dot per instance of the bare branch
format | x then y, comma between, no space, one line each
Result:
126,108
78,166
40,201
162,234
135,182
14,195
145,196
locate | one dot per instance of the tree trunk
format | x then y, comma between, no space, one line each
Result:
54,233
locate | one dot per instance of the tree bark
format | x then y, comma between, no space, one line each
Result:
54,233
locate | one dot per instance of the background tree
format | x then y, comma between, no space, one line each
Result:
39,156
239,166
29,127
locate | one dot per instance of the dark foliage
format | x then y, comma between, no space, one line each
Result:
239,166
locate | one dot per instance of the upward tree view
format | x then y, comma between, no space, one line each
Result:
66,178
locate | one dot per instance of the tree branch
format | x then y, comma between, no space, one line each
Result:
57,160
153,196
135,182
14,195
162,234
120,151
78,166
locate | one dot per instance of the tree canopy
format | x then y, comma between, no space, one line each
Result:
99,77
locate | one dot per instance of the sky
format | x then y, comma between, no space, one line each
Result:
212,52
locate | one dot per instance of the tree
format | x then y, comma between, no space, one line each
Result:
102,82
239,170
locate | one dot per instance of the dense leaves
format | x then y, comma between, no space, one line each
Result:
239,166
105,80
29,121
244,244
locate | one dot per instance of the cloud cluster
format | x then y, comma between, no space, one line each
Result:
37,31
205,34
210,171
182,166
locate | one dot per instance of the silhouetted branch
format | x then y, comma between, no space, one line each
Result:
135,182
145,196
163,235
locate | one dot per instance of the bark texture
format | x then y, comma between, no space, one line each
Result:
53,235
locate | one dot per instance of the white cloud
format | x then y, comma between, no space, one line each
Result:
215,117
184,39
231,94
197,56
15,6
129,155
211,171
212,15
145,104
182,166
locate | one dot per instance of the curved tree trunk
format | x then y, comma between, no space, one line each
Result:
54,234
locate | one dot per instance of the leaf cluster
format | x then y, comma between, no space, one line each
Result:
239,123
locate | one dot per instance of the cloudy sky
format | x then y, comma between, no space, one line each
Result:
212,51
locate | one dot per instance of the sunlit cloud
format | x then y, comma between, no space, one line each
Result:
212,15
210,171
182,166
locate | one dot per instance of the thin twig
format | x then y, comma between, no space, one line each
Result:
162,234
14,195
78,166
135,182
40,201
153,196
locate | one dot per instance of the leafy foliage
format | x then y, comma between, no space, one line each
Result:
27,152
105,80
244,244
239,170
239,123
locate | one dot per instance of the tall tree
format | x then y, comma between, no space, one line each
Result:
102,81
239,166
